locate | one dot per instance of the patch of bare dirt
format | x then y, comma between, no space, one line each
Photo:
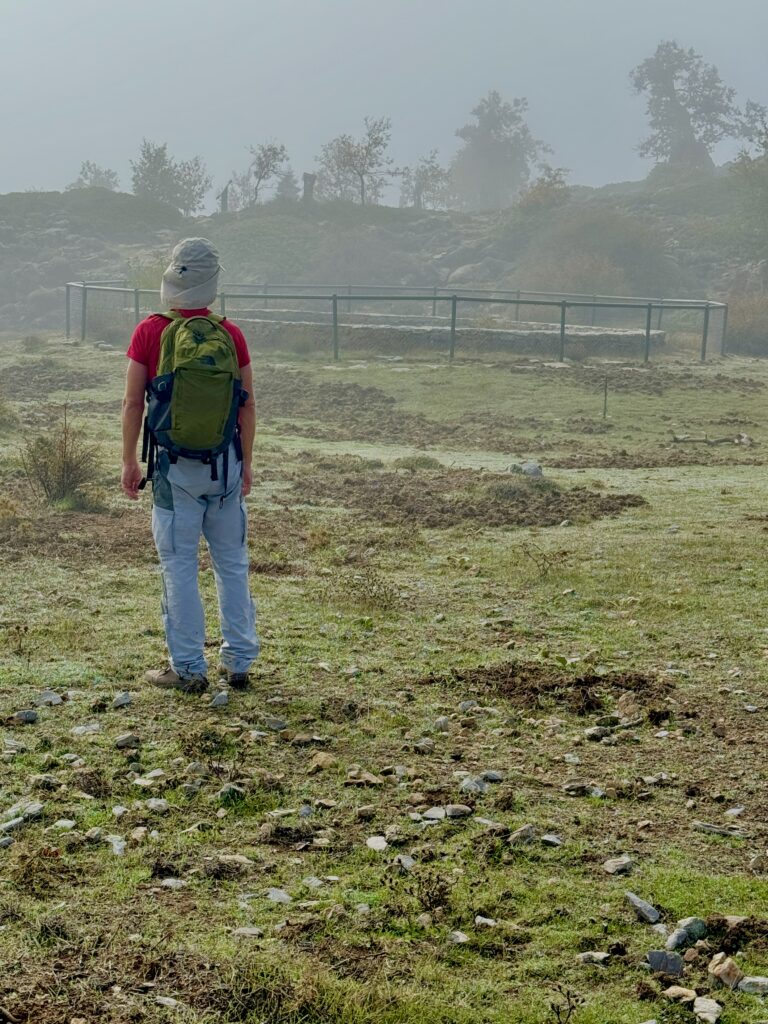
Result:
30,380
535,685
666,457
650,380
444,498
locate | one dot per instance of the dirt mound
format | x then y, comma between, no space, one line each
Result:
535,685
650,380
443,498
22,381
666,457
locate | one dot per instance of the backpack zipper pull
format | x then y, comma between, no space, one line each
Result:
221,502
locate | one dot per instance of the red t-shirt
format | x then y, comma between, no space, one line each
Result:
145,340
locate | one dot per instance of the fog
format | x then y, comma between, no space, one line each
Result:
87,81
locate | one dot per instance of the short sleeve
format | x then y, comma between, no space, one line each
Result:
138,350
241,345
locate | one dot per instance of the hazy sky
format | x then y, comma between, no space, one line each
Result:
88,79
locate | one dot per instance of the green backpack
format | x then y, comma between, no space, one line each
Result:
193,402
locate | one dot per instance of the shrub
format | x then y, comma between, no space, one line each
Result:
33,344
748,324
61,464
8,418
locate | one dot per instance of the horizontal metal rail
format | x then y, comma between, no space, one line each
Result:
405,293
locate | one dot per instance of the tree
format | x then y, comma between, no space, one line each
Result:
156,174
689,108
549,190
498,153
425,185
353,169
750,174
93,176
267,164
287,190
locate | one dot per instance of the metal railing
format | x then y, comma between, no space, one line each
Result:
653,308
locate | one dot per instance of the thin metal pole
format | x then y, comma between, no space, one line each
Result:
517,305
83,310
563,307
335,310
661,311
136,305
349,300
648,318
454,304
434,301
725,329
705,334
68,307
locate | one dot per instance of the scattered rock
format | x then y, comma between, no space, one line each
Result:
731,831
121,700
378,843
663,962
231,794
707,1010
725,970
458,937
434,814
48,699
366,812
472,785
754,986
219,700
424,746
678,994
594,957
26,717
484,922
619,865
550,839
458,811
321,762
86,730
644,910
678,939
277,896
249,933
128,741
526,834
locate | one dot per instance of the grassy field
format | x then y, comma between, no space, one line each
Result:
427,616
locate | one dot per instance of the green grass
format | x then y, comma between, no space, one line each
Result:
364,629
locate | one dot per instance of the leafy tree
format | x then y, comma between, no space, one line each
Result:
549,190
287,190
93,176
158,175
750,174
353,169
426,185
192,182
689,107
497,156
267,163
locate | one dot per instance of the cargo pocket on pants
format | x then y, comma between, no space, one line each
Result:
162,530
244,524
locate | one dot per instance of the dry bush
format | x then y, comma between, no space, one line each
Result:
8,418
33,344
748,324
61,464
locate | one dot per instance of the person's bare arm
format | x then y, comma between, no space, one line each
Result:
247,428
133,415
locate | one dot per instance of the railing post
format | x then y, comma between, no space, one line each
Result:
335,310
705,334
648,319
661,311
68,309
83,310
725,328
434,300
454,304
563,307
136,305
223,303
349,299
517,305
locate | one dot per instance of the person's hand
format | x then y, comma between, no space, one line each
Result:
130,479
247,480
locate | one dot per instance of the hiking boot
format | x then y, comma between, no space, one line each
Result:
168,679
237,680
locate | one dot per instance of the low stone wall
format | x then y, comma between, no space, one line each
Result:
526,339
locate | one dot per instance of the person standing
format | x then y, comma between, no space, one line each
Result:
194,369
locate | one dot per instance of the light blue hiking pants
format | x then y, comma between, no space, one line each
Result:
188,504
